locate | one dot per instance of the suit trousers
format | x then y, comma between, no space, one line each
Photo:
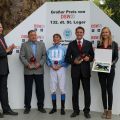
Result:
39,83
4,93
75,91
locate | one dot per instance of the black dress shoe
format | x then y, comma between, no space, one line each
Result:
87,115
74,114
42,110
1,115
62,112
26,111
52,111
10,112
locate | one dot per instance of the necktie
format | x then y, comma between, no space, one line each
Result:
79,45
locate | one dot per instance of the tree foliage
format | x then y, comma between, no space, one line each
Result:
111,8
114,5
13,12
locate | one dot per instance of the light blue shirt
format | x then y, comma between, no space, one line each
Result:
34,48
56,53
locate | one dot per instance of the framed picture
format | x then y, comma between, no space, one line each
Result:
103,60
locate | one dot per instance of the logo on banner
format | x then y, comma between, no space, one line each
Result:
67,33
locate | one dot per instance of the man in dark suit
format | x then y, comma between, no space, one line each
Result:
33,57
4,71
79,55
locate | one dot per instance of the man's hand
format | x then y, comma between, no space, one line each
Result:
29,66
86,58
56,67
10,48
13,46
37,65
76,61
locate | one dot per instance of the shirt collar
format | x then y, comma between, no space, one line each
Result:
80,40
32,42
57,44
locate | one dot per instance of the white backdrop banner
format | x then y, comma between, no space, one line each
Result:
62,18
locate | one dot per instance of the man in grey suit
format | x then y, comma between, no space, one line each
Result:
33,57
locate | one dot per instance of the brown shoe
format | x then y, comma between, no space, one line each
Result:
104,115
109,114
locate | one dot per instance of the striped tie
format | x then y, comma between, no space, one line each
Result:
79,45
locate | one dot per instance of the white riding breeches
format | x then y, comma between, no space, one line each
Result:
58,78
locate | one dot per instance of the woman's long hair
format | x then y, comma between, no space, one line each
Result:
109,39
2,27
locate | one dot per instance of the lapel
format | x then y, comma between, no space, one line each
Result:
75,45
37,50
83,45
3,43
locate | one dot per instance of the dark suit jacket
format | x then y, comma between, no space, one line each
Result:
114,48
73,52
4,69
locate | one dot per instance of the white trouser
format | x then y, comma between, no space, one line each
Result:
58,77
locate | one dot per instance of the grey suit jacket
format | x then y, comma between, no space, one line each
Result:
26,53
